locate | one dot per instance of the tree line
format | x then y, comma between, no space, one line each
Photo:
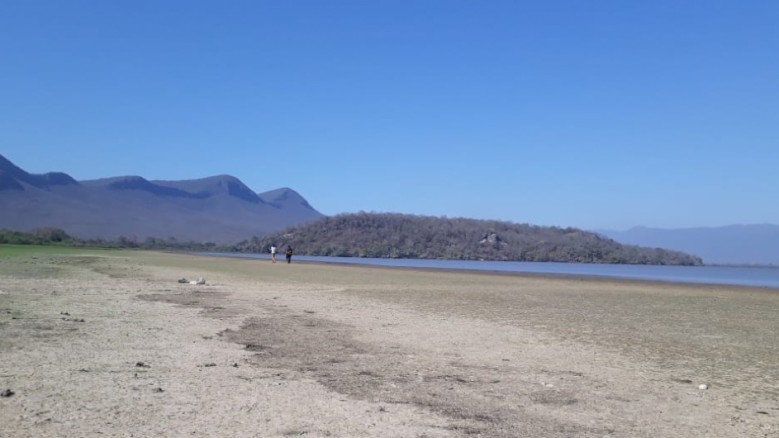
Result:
58,237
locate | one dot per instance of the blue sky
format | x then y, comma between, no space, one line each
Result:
592,114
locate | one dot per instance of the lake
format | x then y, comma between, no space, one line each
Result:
720,275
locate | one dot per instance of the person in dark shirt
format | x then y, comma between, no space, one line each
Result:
289,254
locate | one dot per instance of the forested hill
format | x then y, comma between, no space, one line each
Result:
405,236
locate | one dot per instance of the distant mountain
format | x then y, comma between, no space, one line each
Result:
734,244
14,178
406,236
219,209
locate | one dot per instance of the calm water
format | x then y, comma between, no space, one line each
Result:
724,275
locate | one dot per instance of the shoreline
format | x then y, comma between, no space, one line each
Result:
576,277
550,275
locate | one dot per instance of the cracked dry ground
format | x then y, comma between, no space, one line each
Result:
313,350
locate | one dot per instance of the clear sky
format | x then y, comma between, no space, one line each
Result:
594,114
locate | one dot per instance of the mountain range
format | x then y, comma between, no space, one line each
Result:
732,244
219,209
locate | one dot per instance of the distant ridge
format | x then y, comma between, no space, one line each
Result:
215,186
732,244
12,177
141,184
219,209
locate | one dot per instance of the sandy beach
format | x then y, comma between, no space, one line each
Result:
109,343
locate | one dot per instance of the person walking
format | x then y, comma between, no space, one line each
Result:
273,251
289,254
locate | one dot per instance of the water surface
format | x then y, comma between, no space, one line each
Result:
720,275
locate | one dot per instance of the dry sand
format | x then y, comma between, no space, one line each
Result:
110,344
